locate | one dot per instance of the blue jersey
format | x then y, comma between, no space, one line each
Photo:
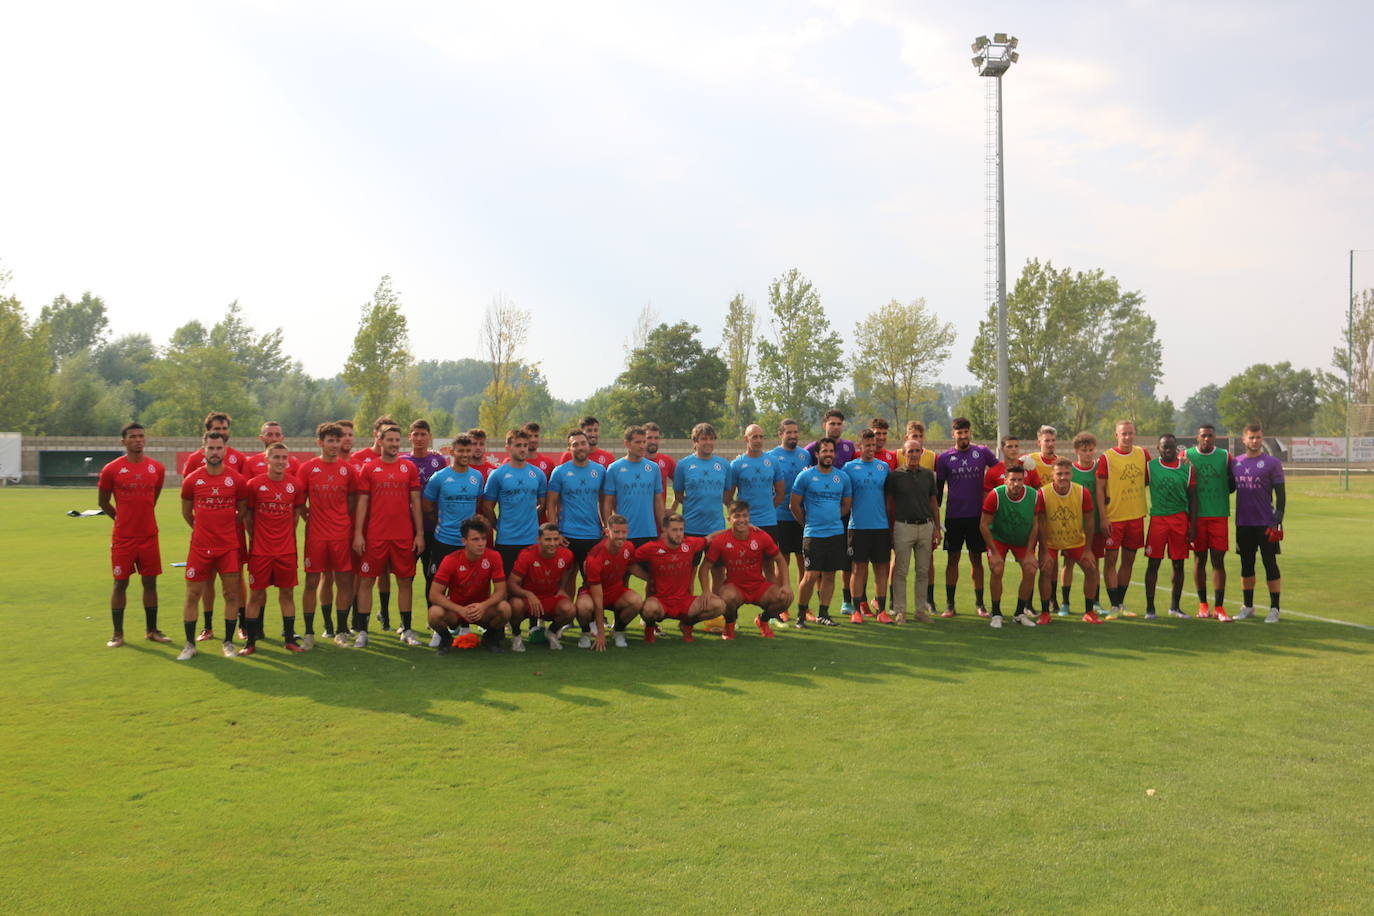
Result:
753,480
455,496
821,494
579,495
634,483
516,493
702,483
791,462
867,478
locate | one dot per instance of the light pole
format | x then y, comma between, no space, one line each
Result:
992,58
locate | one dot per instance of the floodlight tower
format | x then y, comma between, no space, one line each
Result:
992,58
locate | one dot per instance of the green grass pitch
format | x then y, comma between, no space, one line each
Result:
1177,766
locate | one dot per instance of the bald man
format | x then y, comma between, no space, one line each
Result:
757,479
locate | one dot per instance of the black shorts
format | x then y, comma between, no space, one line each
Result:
580,547
508,554
435,551
772,532
961,533
870,545
1250,538
789,535
827,554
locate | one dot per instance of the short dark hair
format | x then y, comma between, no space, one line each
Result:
633,431
329,429
344,424
1010,437
217,416
670,517
129,427
652,427
737,505
826,440
532,427
961,423
588,420
278,445
393,428
473,523
867,434
1202,426
616,518
786,423
420,424
382,422
478,432
462,439
547,527
880,423
1015,469
576,432
1084,438
514,435
833,412
215,435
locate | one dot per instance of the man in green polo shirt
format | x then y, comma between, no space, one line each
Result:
1173,520
1009,525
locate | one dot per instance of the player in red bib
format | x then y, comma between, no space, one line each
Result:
327,481
212,502
128,490
754,571
603,575
996,475
667,564
541,585
275,502
469,589
388,532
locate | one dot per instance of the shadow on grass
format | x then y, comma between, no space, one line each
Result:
388,677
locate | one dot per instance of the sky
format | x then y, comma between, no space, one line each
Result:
586,160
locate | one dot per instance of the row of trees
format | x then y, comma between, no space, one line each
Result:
1083,353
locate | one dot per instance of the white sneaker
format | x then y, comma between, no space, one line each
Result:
1273,616
341,640
361,641
1245,613
620,642
584,641
1151,615
517,643
308,641
436,641
188,651
409,638
1025,620
1175,612
996,622
553,639
228,649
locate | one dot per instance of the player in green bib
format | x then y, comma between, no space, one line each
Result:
1009,524
1085,474
1173,520
1216,481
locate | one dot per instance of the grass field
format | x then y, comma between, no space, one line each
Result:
1177,766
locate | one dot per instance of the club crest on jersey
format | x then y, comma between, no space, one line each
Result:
190,572
118,570
291,488
562,562
486,564
753,545
366,568
1259,465
594,474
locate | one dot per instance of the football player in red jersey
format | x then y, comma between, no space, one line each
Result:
129,488
217,421
880,427
275,501
667,464
358,459
212,501
592,427
270,435
470,588
327,481
540,586
754,571
667,564
388,531
480,460
604,573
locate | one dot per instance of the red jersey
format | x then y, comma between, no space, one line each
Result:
468,581
606,567
274,503
671,567
326,485
996,475
257,464
233,460
540,574
543,462
135,487
598,456
743,558
215,498
888,457
360,457
388,486
666,465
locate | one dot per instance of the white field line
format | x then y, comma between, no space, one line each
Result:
1344,623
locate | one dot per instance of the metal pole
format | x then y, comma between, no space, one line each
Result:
1003,410
1349,365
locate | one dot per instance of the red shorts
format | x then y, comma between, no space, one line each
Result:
609,595
201,564
1070,554
272,572
550,602
328,556
141,554
753,592
1127,535
1099,545
1212,534
998,549
1168,531
676,608
399,555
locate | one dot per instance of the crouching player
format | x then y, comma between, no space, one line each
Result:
603,589
540,585
1009,524
754,571
1066,512
274,503
666,563
470,589
1173,522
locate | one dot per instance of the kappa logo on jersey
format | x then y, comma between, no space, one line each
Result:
314,470
123,470
200,481
377,469
262,487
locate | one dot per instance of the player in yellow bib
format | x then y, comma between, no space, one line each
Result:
1122,475
1066,520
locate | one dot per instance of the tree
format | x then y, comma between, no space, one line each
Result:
128,361
672,380
74,327
646,322
1352,365
260,354
799,360
381,348
1081,352
83,403
299,403
737,348
1279,398
187,384
505,328
25,368
897,351
1202,408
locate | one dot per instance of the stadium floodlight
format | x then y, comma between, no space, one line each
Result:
995,58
